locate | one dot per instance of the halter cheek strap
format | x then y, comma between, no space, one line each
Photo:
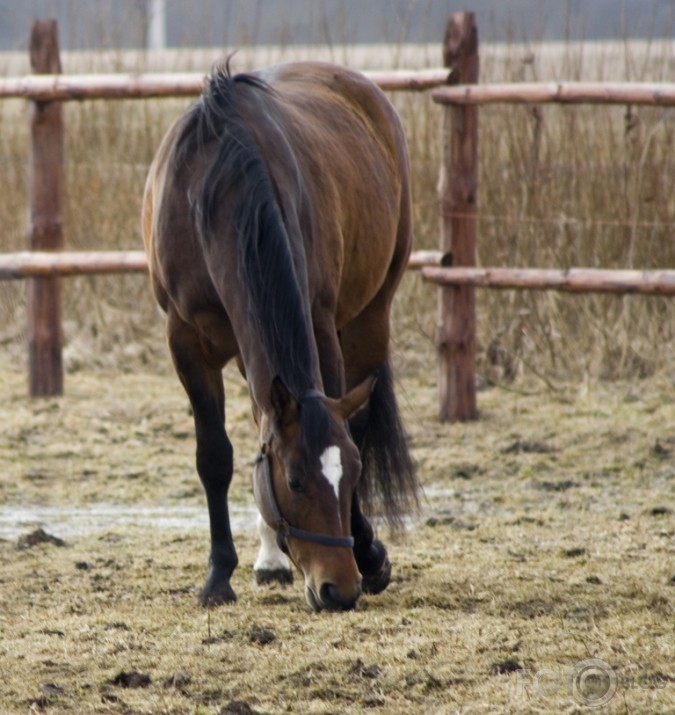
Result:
283,528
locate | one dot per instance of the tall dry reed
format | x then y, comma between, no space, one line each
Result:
559,187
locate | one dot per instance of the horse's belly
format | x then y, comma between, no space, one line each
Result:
361,283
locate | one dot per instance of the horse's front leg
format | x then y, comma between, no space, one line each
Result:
215,467
272,565
204,386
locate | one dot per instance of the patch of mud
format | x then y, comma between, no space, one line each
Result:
39,536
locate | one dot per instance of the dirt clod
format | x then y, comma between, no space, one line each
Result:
131,679
575,552
239,707
178,680
527,446
561,486
39,536
504,667
261,635
360,669
660,511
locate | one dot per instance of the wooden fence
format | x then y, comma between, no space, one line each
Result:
456,332
452,266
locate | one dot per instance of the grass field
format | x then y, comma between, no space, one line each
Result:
539,576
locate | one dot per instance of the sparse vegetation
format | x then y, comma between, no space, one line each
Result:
546,541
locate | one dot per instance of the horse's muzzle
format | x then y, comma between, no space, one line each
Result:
331,599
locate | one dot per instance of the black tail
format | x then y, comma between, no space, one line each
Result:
388,483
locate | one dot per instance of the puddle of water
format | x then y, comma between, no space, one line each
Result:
84,520
96,518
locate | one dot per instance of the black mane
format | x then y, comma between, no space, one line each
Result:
265,263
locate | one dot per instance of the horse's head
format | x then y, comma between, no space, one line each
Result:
304,480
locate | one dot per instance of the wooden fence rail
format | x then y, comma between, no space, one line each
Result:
572,280
48,264
645,93
63,88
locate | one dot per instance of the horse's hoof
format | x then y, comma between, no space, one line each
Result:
216,595
265,577
377,575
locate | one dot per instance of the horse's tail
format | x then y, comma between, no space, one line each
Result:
388,484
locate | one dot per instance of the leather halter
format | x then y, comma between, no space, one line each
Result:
283,528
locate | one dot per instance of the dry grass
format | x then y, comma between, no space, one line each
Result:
546,540
559,187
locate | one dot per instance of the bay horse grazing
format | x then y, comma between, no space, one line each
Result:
277,223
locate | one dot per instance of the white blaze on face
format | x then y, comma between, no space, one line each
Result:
331,466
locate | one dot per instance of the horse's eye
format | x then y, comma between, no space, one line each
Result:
295,484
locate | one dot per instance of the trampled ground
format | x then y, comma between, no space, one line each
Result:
539,578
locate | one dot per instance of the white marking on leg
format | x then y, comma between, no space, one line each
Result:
331,466
270,556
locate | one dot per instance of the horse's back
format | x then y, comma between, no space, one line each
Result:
351,143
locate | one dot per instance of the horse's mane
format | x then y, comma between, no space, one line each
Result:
264,260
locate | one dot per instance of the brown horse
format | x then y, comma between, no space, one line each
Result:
277,223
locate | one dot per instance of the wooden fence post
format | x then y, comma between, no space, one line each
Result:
456,329
45,233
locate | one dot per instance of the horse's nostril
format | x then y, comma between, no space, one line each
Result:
332,599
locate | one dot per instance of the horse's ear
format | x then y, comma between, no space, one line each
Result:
357,398
285,406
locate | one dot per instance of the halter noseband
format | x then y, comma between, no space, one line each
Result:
283,528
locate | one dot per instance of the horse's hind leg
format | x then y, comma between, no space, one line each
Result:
364,348
203,383
388,473
370,553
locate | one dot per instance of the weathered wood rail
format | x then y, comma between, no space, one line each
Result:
572,280
48,264
645,93
80,87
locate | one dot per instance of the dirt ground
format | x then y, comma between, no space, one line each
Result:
539,577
